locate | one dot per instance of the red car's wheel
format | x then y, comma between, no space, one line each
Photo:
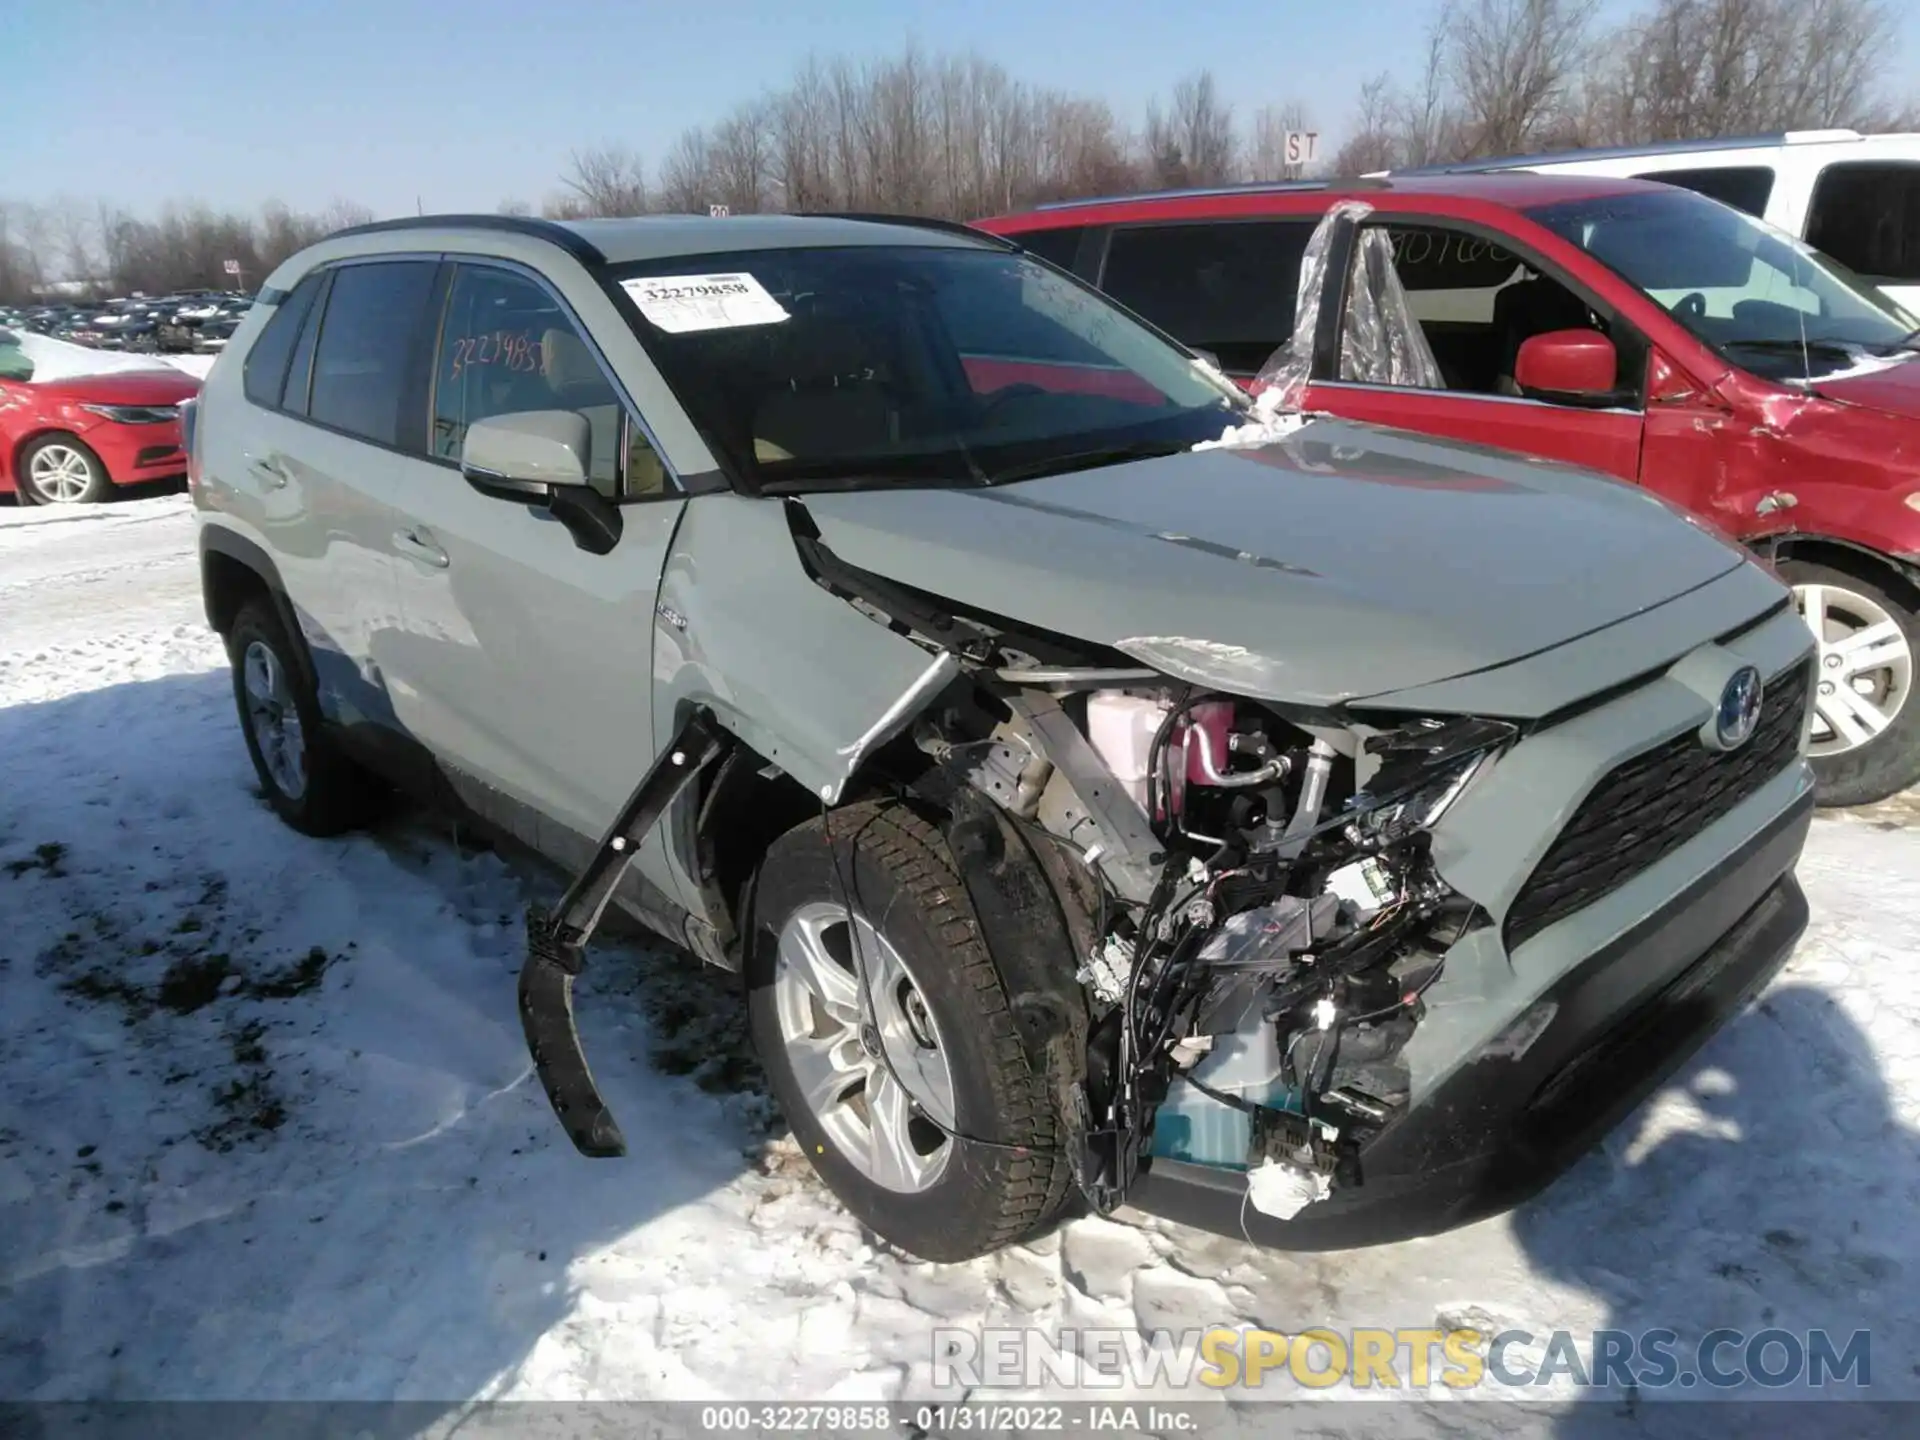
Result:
61,470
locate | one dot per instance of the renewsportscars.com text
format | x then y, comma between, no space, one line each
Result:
1223,1359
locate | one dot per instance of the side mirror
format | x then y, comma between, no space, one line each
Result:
1575,367
540,457
525,456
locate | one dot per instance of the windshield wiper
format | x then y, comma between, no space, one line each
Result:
1783,346
823,484
1089,459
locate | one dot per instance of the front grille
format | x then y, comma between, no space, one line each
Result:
1653,804
154,454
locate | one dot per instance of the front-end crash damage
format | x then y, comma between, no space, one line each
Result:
1253,909
1243,925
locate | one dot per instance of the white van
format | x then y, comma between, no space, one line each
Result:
1854,196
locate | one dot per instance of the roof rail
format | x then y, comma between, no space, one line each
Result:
1197,192
554,233
1631,152
918,222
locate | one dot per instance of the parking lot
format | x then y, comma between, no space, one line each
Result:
271,1130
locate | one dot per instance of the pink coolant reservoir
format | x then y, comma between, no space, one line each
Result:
1202,738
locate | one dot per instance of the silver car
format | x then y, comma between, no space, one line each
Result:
1303,829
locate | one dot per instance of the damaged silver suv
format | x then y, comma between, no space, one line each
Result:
1320,832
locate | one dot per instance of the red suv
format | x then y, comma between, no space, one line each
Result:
73,439
1633,328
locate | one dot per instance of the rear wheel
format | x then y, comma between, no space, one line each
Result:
310,783
918,1107
61,470
1865,741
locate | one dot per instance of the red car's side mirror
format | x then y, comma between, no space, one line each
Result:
1573,365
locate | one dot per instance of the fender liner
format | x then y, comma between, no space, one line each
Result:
1907,567
219,540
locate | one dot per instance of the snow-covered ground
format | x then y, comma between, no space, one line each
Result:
267,1127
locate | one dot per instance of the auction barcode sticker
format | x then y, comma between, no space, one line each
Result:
679,304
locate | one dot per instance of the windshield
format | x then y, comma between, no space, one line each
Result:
1765,300
865,366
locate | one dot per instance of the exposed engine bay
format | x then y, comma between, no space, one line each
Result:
1266,915
1260,953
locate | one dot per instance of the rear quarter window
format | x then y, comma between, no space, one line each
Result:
1866,214
1745,187
265,375
1057,246
1224,286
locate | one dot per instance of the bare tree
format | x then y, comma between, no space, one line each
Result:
611,180
687,184
1192,142
1696,68
948,135
1428,125
739,159
1370,145
1514,66
513,207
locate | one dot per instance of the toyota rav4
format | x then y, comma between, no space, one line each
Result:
1325,834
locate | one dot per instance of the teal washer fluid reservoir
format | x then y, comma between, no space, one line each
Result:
1198,1129
1194,1127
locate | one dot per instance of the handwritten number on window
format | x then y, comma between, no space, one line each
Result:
514,350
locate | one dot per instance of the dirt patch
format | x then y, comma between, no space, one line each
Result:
303,975
192,982
45,858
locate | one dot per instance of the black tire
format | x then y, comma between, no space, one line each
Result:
99,483
1890,762
338,794
902,877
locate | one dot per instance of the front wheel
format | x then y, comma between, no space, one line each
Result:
915,1101
62,470
1865,740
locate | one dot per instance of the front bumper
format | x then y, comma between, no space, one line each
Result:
1500,1129
137,453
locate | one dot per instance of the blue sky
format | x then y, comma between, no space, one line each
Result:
456,106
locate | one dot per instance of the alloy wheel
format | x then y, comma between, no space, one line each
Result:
275,720
1864,667
890,1118
59,474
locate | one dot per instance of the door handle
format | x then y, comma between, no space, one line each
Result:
410,544
267,472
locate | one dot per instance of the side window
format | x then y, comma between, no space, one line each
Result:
368,337
507,346
1473,303
1058,247
266,368
1225,286
1745,187
1867,216
293,398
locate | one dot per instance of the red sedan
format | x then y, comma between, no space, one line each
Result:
70,441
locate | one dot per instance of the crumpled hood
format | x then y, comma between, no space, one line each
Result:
1348,560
